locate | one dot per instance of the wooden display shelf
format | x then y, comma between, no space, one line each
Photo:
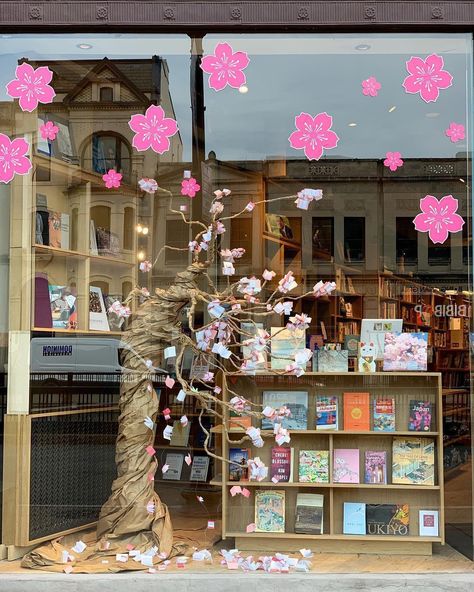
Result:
79,255
218,429
75,331
270,484
338,537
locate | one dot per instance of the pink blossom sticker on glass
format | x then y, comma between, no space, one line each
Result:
313,135
225,67
112,179
393,160
427,77
49,131
13,159
152,130
190,187
31,86
371,87
455,132
438,217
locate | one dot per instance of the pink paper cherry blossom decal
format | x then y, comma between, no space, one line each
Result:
152,130
313,134
393,160
12,158
438,218
371,87
427,77
190,187
455,132
49,131
31,86
112,179
225,67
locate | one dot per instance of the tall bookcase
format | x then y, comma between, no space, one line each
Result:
238,511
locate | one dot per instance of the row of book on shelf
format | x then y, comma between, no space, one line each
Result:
175,462
413,463
357,412
358,518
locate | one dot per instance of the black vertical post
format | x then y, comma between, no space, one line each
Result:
197,116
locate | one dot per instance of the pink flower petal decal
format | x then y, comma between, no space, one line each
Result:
152,130
225,67
313,134
393,160
438,218
371,87
12,158
31,86
112,179
49,131
427,77
190,187
455,132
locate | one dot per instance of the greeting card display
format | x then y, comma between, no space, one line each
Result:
405,352
270,511
374,330
295,401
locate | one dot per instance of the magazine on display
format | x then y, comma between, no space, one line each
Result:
270,511
373,331
297,403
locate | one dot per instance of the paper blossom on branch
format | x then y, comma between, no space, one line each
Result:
120,310
145,266
228,268
31,86
190,187
254,434
216,208
219,227
313,134
306,196
371,86
427,77
112,179
299,321
13,159
257,469
250,286
250,206
215,309
287,283
268,275
49,131
225,67
148,185
438,218
455,132
323,288
393,160
220,193
238,404
152,130
283,307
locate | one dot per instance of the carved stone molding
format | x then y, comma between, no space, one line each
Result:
35,13
303,13
370,12
235,13
437,12
102,13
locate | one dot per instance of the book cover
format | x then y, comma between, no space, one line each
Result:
270,511
374,330
313,466
64,231
354,518
180,435
175,463
384,415
284,343
387,519
346,465
54,225
405,352
281,465
375,466
326,413
199,468
297,403
356,411
239,422
97,314
63,307
309,515
333,360
420,416
429,523
238,470
351,344
413,461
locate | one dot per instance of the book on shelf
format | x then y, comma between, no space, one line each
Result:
332,360
389,310
175,466
405,352
238,422
251,330
346,465
413,461
295,401
98,320
374,330
351,344
326,413
283,345
282,464
387,519
420,416
429,523
357,411
270,511
199,468
313,466
63,304
353,518
309,515
58,225
344,329
180,435
238,469
384,415
375,466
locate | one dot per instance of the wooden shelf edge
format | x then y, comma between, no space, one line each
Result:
335,537
272,485
74,331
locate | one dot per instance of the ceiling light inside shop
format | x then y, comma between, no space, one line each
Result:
140,255
244,89
432,115
145,230
392,108
362,47
139,228
462,180
84,46
352,124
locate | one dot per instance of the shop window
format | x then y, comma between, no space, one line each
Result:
128,228
407,241
107,151
354,239
439,254
323,238
466,242
241,236
177,235
106,94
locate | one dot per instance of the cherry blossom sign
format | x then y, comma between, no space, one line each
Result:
190,187
152,130
427,77
225,67
31,86
49,131
438,217
371,87
393,160
455,132
112,179
313,134
13,159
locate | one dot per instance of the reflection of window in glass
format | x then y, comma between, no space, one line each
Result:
439,254
108,151
106,94
128,228
241,236
177,235
323,238
466,242
354,239
406,241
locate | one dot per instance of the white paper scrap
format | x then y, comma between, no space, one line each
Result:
79,547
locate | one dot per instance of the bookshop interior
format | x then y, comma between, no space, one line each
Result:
329,181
